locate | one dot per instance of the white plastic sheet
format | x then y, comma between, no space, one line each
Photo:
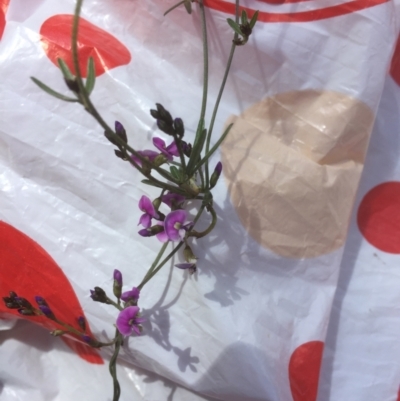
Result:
252,323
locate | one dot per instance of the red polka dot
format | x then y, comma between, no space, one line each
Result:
379,217
395,64
27,269
3,9
304,368
107,51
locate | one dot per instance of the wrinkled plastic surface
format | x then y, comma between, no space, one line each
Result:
279,280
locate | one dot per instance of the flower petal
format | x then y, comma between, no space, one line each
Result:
173,222
145,220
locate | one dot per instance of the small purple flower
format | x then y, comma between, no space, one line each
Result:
173,200
215,175
128,321
120,131
168,151
40,300
175,225
146,206
47,311
118,277
132,295
150,155
87,339
191,267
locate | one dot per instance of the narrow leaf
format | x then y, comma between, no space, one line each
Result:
64,69
253,19
151,183
52,92
175,173
196,152
214,148
235,26
244,17
91,76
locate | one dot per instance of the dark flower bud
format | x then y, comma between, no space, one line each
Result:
164,114
120,131
165,127
26,312
82,322
13,294
72,84
155,114
186,148
87,339
23,303
10,303
179,127
47,312
215,175
99,295
245,29
120,154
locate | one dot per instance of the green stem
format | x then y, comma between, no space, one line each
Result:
205,62
89,107
221,91
153,266
113,366
173,7
207,231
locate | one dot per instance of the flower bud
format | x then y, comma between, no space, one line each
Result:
189,255
117,286
26,312
215,175
82,322
99,295
157,203
179,127
72,84
120,131
164,127
47,312
164,114
159,160
151,231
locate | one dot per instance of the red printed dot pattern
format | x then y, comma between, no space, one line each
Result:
378,217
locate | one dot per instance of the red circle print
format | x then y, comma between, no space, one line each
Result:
107,51
27,269
312,12
304,368
395,64
378,217
3,9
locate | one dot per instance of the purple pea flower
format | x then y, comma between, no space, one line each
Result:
168,151
146,206
128,321
191,267
147,154
175,225
132,295
173,200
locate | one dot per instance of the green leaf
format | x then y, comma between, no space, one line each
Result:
253,19
91,76
64,69
151,183
196,152
235,26
52,92
214,148
244,17
175,173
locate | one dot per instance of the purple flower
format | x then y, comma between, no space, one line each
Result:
215,175
191,267
118,277
82,322
169,152
47,311
40,300
150,155
87,339
173,200
132,295
128,321
175,225
146,206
